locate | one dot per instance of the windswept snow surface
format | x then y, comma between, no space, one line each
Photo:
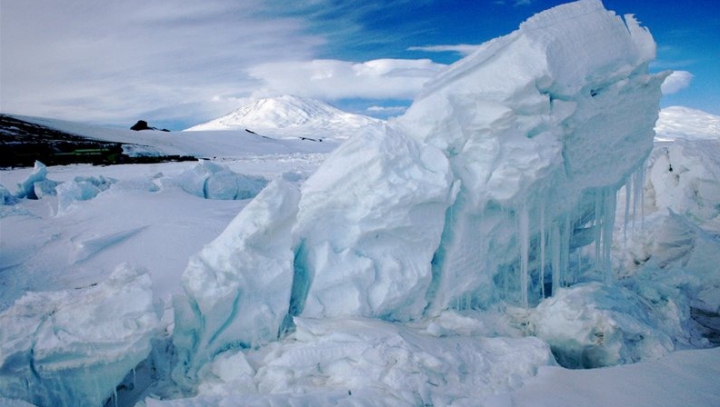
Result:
291,116
451,257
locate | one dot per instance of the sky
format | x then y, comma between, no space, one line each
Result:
177,63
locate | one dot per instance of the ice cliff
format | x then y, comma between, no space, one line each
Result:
483,192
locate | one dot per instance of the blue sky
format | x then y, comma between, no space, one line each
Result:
177,63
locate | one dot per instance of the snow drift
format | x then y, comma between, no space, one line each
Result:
504,167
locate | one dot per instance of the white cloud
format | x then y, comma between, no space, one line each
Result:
114,61
462,49
386,109
334,79
676,81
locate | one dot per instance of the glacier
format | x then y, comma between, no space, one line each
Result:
498,186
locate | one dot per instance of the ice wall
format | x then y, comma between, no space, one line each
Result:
541,127
72,348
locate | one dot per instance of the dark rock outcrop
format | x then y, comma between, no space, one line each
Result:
143,125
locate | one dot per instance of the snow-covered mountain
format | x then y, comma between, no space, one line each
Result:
683,122
291,116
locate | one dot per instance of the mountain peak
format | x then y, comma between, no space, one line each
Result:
291,116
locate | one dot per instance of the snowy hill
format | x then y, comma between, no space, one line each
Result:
226,144
291,116
684,122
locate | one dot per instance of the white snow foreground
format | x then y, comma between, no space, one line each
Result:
480,195
72,348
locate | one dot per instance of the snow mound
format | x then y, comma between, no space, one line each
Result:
213,181
7,197
678,122
353,361
72,348
592,325
290,115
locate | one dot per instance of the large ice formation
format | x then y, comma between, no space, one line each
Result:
72,348
238,286
541,127
484,191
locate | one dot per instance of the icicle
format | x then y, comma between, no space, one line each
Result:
565,236
638,194
597,222
542,249
607,233
555,247
628,194
524,245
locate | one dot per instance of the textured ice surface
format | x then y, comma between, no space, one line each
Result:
541,126
72,348
683,177
676,245
80,189
214,181
36,185
238,286
354,361
593,325
369,223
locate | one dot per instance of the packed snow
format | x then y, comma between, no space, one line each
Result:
517,238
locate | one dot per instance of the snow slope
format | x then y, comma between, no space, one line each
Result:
230,144
291,116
